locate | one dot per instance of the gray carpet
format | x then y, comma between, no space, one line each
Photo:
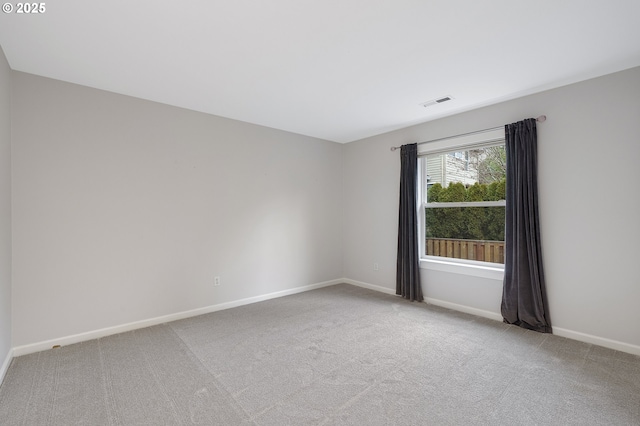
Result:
340,355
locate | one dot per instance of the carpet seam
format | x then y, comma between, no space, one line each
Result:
110,402
222,389
28,404
56,380
154,373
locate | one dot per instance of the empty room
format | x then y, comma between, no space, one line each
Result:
320,213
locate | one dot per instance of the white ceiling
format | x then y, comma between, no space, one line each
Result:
339,70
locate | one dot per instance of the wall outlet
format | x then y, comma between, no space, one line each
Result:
216,281
376,267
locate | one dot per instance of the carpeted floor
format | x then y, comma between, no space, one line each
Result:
341,355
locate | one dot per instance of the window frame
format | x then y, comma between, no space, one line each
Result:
494,137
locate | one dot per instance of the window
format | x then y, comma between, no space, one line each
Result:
463,201
461,155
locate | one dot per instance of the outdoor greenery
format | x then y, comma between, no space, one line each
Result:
493,165
472,223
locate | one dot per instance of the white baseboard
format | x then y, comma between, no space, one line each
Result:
442,303
563,332
369,286
5,365
464,308
108,331
600,341
77,338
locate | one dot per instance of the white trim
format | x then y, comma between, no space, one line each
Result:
428,300
421,213
5,365
595,340
459,267
465,309
48,344
103,332
463,142
443,205
562,332
461,148
370,286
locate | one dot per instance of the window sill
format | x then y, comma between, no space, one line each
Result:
491,272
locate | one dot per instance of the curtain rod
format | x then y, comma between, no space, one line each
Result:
540,119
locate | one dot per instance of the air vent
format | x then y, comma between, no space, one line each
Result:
436,101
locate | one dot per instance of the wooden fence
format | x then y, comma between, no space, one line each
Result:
486,251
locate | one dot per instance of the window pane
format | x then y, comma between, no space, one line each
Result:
474,233
483,166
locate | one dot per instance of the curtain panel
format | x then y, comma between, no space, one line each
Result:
407,265
524,299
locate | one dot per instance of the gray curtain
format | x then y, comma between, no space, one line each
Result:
524,299
407,266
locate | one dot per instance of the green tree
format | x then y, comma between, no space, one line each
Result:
492,164
474,217
474,223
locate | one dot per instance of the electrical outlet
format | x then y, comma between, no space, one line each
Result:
216,281
376,267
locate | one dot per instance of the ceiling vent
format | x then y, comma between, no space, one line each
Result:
436,101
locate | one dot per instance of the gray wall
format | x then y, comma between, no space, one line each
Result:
589,157
125,210
5,209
